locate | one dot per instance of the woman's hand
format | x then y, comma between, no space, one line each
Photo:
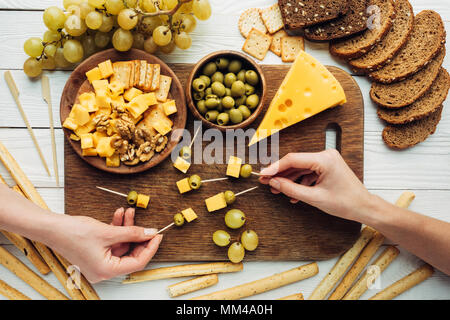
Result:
325,182
104,251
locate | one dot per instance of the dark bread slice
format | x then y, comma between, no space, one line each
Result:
358,45
408,135
423,107
298,14
403,93
394,40
355,21
425,41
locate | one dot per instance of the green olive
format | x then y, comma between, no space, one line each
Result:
227,111
201,107
234,219
211,115
229,197
220,106
221,238
199,85
236,252
211,96
185,152
208,91
206,80
238,89
195,182
241,75
132,198
218,89
212,103
230,78
217,77
241,100
209,69
223,119
235,66
252,101
228,92
236,116
178,219
249,240
228,102
222,63
246,171
249,89
251,77
199,95
246,113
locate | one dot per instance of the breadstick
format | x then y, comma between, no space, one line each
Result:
9,292
405,199
30,277
297,296
187,270
263,285
406,283
382,262
192,285
341,266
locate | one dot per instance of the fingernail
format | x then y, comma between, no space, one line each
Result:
121,210
150,232
266,171
274,183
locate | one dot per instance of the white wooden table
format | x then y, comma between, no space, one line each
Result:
424,169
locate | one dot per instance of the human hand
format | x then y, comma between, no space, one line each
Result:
326,182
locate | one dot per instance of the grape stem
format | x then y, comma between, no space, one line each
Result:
161,12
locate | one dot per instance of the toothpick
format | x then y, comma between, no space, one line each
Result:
114,192
165,228
212,180
245,191
195,136
256,173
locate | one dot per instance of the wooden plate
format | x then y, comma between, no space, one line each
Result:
78,84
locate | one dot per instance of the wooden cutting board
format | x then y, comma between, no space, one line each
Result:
287,231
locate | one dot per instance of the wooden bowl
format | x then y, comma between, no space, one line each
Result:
78,84
247,63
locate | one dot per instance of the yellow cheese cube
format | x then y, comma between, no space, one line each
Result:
189,214
132,93
96,136
104,105
89,101
216,202
70,124
90,152
170,107
184,186
234,167
162,128
86,141
100,87
74,137
106,69
136,120
79,114
181,165
142,201
88,127
104,147
94,74
116,88
113,161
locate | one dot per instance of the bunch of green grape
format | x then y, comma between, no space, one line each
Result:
87,26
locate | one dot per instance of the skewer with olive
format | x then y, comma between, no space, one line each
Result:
133,198
194,182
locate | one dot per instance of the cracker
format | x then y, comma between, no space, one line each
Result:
251,19
137,72
257,44
291,47
142,74
156,77
164,88
122,72
148,78
272,19
275,47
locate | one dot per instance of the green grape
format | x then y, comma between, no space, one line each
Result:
122,40
150,46
131,3
97,3
201,9
183,40
186,7
234,219
60,60
73,10
138,41
54,18
75,26
114,6
73,51
107,23
162,36
51,36
188,23
221,238
169,4
149,24
33,47
94,20
169,48
32,67
147,6
50,50
101,39
85,9
48,63
127,19
236,252
249,240
89,47
68,3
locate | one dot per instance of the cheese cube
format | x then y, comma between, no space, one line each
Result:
106,69
162,128
132,93
74,137
88,127
170,107
94,74
234,167
100,87
79,114
216,202
86,141
113,161
89,101
181,165
96,136
90,152
70,124
141,103
142,201
104,105
104,147
189,214
184,186
116,88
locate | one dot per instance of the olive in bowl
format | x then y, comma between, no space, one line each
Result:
226,90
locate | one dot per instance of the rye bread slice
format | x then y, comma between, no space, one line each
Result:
408,135
394,40
425,41
298,14
403,93
355,21
423,107
358,45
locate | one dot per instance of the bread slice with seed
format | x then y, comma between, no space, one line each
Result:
403,93
425,41
298,14
408,135
355,21
427,104
393,41
358,45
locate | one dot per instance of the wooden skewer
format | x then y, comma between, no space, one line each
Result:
245,191
15,93
256,174
213,180
165,228
114,192
195,136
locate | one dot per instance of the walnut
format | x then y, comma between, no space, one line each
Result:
132,162
101,123
142,135
120,145
125,129
145,152
161,143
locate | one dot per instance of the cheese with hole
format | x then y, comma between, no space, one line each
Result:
216,202
104,147
308,89
94,74
116,88
234,167
184,186
89,101
189,214
181,165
